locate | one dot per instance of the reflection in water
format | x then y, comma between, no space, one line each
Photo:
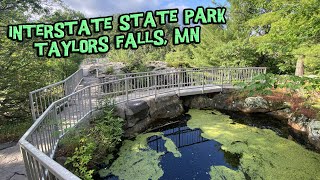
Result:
198,154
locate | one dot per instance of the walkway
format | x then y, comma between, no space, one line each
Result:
11,161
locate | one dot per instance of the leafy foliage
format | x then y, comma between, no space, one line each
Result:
302,94
80,159
274,34
264,83
21,71
87,147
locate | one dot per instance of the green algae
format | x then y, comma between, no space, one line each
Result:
222,172
264,155
138,161
171,147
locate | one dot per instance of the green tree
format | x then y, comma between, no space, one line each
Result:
21,71
291,32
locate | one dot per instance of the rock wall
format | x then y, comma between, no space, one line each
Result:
309,128
139,115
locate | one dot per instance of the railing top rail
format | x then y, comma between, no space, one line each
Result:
38,121
57,83
183,69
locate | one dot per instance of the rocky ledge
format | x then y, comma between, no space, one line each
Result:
301,124
141,115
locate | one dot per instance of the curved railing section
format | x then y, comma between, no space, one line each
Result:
39,143
41,99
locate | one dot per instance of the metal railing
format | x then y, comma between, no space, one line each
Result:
244,72
41,99
39,143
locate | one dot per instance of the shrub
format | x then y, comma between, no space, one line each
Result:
109,70
81,158
92,145
302,93
264,83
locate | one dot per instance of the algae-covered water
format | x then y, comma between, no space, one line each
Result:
212,146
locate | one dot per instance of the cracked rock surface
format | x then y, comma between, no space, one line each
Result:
11,164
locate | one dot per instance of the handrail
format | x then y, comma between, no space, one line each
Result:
39,143
40,99
175,69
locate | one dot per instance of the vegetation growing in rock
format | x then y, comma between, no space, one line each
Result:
87,147
301,93
263,154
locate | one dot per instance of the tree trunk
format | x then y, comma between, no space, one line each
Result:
300,66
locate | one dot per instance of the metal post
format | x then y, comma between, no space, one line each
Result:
212,77
230,77
156,85
202,81
65,89
148,83
178,82
221,77
56,123
33,111
90,98
192,77
26,164
126,88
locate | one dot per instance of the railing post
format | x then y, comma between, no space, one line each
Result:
33,111
90,98
56,122
65,89
192,77
26,162
202,81
126,88
178,82
212,77
156,85
148,83
221,77
230,76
